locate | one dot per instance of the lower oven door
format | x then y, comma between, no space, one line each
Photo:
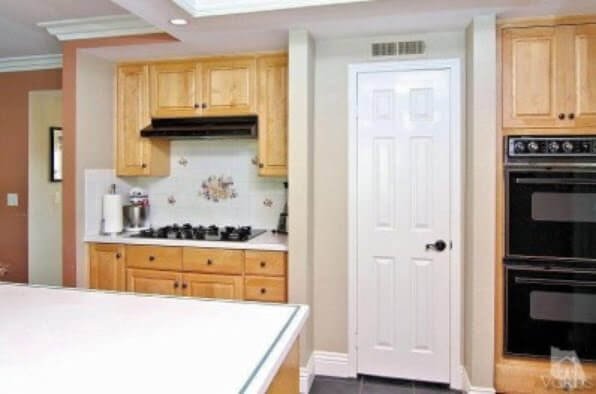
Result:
547,308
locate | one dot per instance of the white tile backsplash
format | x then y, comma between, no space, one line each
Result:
203,159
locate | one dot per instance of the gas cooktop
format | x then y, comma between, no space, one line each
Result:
203,233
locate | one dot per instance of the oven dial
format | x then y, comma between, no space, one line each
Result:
519,147
567,147
553,147
533,146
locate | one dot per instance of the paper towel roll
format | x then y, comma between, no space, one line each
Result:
112,213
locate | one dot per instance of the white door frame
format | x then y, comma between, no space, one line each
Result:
456,182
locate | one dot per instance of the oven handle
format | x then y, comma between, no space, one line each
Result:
560,282
555,181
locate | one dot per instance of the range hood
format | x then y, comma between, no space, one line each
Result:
203,127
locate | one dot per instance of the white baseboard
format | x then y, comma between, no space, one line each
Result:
307,375
331,364
468,388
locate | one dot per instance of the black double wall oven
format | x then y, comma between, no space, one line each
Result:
550,245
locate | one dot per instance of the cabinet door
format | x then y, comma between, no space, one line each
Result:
106,267
213,286
175,90
273,115
535,73
585,69
132,115
153,282
229,86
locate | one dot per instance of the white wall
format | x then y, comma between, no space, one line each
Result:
481,147
301,152
95,135
45,197
330,173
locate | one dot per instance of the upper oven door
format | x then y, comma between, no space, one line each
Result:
551,213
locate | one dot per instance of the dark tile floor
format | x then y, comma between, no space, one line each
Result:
374,385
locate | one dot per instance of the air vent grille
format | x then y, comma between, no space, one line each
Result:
384,49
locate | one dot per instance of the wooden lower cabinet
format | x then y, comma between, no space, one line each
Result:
265,289
153,282
106,268
213,286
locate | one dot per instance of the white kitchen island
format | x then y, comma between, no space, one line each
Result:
78,341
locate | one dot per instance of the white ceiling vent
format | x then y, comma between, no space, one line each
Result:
388,49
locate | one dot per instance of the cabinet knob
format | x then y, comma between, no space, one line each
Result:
176,285
143,165
263,264
263,290
561,116
261,165
204,105
571,116
184,285
118,255
209,262
197,106
151,258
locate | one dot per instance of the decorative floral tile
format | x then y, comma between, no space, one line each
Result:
217,188
183,161
172,200
268,202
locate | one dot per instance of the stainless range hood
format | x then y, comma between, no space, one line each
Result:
222,127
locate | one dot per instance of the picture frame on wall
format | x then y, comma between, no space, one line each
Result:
55,154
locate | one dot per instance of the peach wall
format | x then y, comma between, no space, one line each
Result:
14,120
69,126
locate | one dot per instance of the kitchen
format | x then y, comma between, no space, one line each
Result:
193,184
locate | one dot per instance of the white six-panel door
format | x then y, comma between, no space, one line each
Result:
403,204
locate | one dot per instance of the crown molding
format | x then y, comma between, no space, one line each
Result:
30,63
98,27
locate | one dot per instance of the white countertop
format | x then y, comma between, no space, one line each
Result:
266,241
72,341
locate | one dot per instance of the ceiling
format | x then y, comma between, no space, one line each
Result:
259,30
18,22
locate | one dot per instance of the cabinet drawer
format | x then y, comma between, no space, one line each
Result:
259,288
154,257
213,286
265,263
213,261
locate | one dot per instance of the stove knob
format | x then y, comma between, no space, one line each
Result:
533,146
519,147
567,147
553,147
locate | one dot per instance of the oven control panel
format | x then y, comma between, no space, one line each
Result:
559,146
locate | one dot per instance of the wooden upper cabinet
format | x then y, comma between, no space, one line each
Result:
153,282
106,271
213,286
273,115
549,77
530,96
137,156
585,70
229,86
175,89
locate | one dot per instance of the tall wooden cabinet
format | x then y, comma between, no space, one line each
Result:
273,115
137,156
548,75
107,267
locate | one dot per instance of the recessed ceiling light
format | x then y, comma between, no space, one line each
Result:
199,8
178,21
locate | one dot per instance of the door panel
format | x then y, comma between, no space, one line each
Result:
229,86
531,72
107,267
153,282
585,63
175,89
132,116
213,286
403,205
